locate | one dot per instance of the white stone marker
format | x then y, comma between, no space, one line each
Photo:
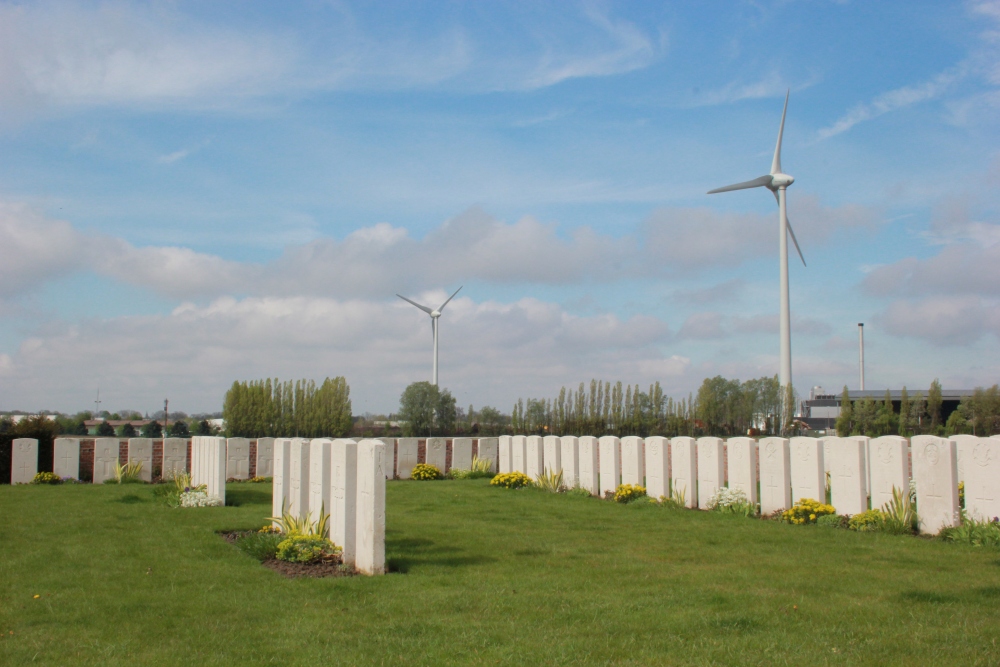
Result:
265,457
982,479
319,478
66,457
866,471
105,458
935,473
281,485
141,450
847,482
569,455
298,478
888,468
436,453
23,460
406,457
174,457
657,467
519,454
534,456
388,456
684,469
238,458
588,464
964,444
633,461
711,469
505,451
742,466
344,478
369,537
825,442
461,454
808,471
775,475
610,459
552,454
486,450
208,464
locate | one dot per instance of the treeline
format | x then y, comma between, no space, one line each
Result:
920,414
288,409
722,407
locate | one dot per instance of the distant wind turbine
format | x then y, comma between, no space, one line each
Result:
435,314
777,182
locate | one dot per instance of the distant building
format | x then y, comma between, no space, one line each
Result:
821,410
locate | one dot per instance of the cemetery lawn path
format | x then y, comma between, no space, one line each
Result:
485,576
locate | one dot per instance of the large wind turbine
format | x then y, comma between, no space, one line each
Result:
435,314
777,182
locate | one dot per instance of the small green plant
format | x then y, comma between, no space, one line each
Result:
732,501
257,480
869,521
262,546
425,471
299,548
975,532
290,524
46,478
551,481
126,474
511,480
832,521
481,468
961,494
677,499
899,516
806,510
578,491
626,493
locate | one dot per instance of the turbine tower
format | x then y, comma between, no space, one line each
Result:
435,314
777,182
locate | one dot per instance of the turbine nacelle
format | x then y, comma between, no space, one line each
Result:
780,180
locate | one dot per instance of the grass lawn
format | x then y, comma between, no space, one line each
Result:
486,576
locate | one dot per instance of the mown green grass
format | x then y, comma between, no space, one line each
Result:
486,576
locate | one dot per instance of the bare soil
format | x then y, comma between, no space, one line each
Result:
331,567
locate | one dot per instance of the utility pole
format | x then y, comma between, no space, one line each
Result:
166,414
861,352
97,405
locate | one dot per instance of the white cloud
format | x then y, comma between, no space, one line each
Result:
34,249
945,321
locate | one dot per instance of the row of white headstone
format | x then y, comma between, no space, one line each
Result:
436,451
66,457
346,480
862,471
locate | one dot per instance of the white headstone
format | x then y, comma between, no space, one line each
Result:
344,478
319,478
281,485
505,451
866,474
265,457
610,458
588,464
66,457
486,450
105,458
208,464
633,461
982,480
552,448
141,450
436,453
935,473
298,477
825,442
406,457
684,469
369,538
808,471
461,453
569,456
388,456
847,481
238,458
964,445
711,468
534,456
888,468
519,453
741,466
174,457
657,467
23,460
775,475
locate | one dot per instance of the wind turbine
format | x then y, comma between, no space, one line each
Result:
777,182
435,314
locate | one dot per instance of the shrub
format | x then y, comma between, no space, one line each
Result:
259,479
626,493
290,524
262,546
152,429
975,532
481,468
511,480
46,478
899,515
731,501
300,548
867,521
578,491
199,498
105,430
550,481
677,499
806,510
126,474
961,494
425,471
127,431
832,521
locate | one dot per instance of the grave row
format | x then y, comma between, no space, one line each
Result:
776,472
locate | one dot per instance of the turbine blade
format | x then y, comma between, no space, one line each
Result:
450,298
788,224
423,308
776,197
755,183
776,163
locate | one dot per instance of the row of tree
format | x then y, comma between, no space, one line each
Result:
286,409
920,414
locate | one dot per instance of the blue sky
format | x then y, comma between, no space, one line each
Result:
194,193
